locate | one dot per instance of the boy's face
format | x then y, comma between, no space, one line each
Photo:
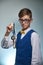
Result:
25,21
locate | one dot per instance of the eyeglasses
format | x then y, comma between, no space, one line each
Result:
24,20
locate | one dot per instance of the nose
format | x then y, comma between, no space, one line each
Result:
23,22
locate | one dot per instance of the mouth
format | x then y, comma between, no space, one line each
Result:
23,25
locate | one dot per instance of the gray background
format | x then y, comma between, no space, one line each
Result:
9,13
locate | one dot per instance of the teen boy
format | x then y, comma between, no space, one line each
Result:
27,42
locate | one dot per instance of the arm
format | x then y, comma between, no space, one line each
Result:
36,50
5,43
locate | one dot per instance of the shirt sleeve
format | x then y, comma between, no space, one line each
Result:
36,50
6,43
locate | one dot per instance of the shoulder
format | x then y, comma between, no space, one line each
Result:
35,39
35,35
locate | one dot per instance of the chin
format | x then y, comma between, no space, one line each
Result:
24,28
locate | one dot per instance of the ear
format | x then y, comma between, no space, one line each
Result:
31,20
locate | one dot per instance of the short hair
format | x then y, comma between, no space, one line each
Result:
25,11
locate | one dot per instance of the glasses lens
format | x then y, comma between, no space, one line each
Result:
24,20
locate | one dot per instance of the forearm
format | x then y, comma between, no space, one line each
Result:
36,61
4,43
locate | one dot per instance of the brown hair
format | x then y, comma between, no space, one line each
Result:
25,11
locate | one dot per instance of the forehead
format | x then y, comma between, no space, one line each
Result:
25,17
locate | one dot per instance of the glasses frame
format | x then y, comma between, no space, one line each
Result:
24,20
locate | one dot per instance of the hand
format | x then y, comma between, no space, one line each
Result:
9,28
